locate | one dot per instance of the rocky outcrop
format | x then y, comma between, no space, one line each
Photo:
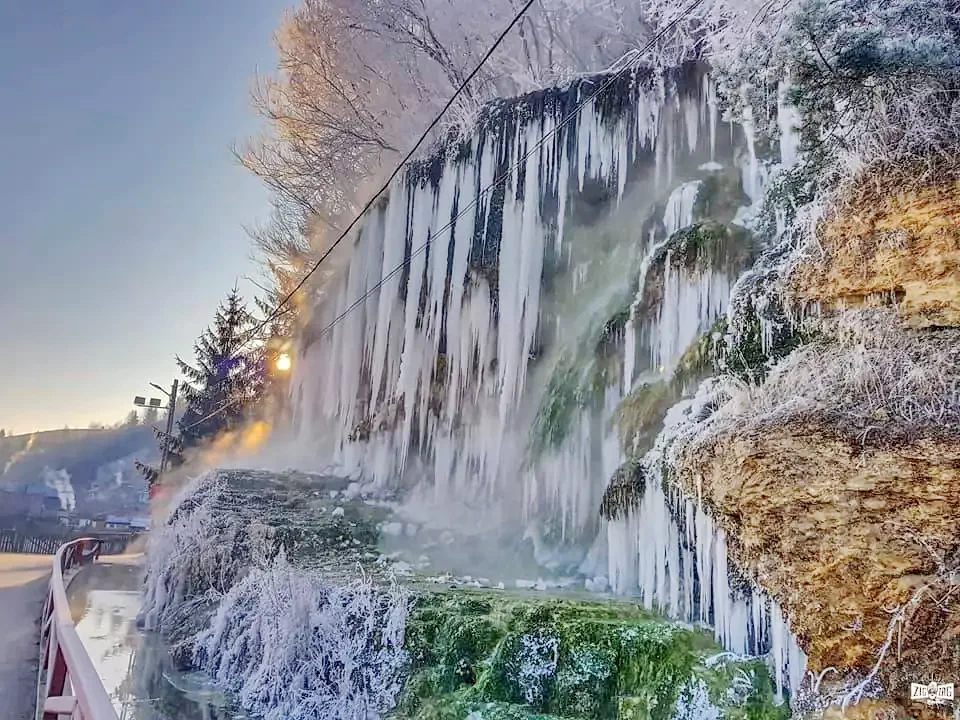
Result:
846,536
901,246
836,481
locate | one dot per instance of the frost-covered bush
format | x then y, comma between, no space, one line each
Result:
864,376
292,646
241,584
874,82
194,558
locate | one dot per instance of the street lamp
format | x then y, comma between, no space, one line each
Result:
284,363
171,408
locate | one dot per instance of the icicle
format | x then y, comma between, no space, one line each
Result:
714,116
751,180
679,209
435,365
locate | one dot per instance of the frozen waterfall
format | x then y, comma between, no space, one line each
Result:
466,296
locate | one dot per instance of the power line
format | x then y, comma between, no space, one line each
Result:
472,204
386,185
398,168
503,176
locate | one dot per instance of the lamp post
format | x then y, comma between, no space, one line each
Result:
171,408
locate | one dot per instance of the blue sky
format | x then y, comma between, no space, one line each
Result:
121,206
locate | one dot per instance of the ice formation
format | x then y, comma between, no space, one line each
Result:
456,314
428,378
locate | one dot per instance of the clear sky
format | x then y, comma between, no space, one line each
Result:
121,206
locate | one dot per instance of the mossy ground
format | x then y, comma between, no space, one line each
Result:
490,656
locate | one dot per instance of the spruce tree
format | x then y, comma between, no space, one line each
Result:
220,387
226,377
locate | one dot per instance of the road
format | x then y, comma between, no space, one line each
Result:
23,584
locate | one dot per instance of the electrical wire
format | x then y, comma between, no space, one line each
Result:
471,205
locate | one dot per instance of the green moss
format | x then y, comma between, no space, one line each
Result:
531,658
612,329
746,357
640,415
719,197
625,491
581,375
709,244
641,412
563,399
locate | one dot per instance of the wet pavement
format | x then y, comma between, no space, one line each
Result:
134,666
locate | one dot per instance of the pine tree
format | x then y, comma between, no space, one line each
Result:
225,381
226,378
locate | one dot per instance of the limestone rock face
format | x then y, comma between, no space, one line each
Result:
846,535
903,246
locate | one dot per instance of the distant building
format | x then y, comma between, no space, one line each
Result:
69,519
123,522
18,504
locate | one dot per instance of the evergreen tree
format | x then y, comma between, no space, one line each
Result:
131,419
226,378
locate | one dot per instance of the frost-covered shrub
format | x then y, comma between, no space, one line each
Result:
194,558
289,638
864,376
291,646
875,78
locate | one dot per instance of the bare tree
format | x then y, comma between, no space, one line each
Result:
358,80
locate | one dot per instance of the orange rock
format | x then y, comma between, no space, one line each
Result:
904,247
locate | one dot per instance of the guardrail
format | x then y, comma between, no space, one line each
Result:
19,541
68,685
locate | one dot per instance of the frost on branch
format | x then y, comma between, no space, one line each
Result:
286,640
291,646
865,375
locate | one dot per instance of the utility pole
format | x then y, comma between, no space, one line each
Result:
171,408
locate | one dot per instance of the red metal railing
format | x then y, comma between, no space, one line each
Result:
68,686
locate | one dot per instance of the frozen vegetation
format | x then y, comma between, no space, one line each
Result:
512,335
293,638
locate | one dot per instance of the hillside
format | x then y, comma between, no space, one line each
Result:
90,471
